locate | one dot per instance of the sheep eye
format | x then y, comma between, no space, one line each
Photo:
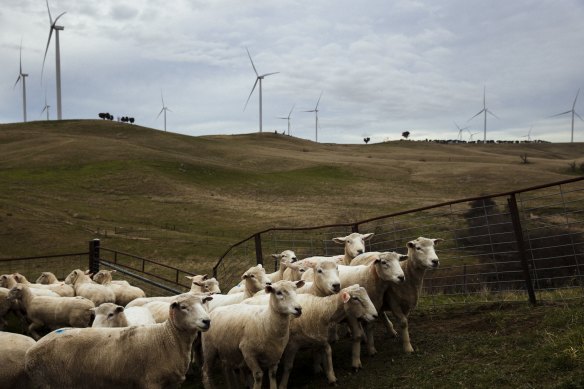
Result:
319,270
279,293
110,315
418,248
355,298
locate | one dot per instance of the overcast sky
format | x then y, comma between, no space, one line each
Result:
383,67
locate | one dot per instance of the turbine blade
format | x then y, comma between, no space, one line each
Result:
291,110
50,18
159,113
250,93
576,113
312,110
252,65
57,18
268,74
563,113
169,110
46,51
20,55
18,79
478,113
574,105
279,117
488,111
318,101
162,98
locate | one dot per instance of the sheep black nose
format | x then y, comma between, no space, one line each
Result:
336,287
401,278
360,251
268,283
435,262
207,322
298,311
375,317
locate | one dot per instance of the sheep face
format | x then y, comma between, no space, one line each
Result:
20,278
16,292
388,267
357,303
210,286
73,276
326,275
7,281
103,277
354,243
421,252
46,278
287,256
256,279
108,315
188,313
283,297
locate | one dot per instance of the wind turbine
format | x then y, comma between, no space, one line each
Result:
259,79
315,110
573,112
288,118
484,111
22,76
460,130
164,109
528,136
46,107
53,26
472,134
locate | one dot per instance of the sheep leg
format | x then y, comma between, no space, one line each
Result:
287,362
389,325
272,370
256,371
405,333
368,327
32,329
317,362
330,372
209,357
357,333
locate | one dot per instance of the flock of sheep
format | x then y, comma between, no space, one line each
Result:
108,334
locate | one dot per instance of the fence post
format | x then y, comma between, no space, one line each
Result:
355,228
512,201
258,248
94,255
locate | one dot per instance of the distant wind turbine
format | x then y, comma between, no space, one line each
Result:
164,109
460,130
315,110
22,76
484,111
472,134
46,108
259,79
574,113
288,118
528,136
53,26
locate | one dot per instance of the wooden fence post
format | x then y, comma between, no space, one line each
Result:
94,255
258,248
513,210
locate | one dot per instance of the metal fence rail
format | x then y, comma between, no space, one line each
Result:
515,245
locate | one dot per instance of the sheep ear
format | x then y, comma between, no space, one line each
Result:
403,257
259,266
119,309
269,289
346,297
377,260
339,240
411,244
300,284
189,277
244,276
310,263
93,309
174,305
368,236
277,256
204,277
437,240
207,299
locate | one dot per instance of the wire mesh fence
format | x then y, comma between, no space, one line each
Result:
496,248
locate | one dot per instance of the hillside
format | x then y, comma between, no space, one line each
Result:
175,197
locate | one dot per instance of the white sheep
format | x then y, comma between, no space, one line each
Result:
46,278
312,328
402,299
5,306
251,335
14,347
375,278
286,256
124,292
326,279
254,280
354,245
112,315
86,287
294,271
154,356
60,288
52,312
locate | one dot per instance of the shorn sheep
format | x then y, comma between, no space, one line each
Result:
60,288
14,347
154,356
252,336
112,315
402,299
52,312
84,286
254,278
8,281
124,292
47,278
285,257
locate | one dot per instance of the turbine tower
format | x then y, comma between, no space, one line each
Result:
164,109
53,26
22,76
46,107
574,113
460,130
259,79
315,110
484,111
288,118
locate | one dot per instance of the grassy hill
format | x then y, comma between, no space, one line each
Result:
180,198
